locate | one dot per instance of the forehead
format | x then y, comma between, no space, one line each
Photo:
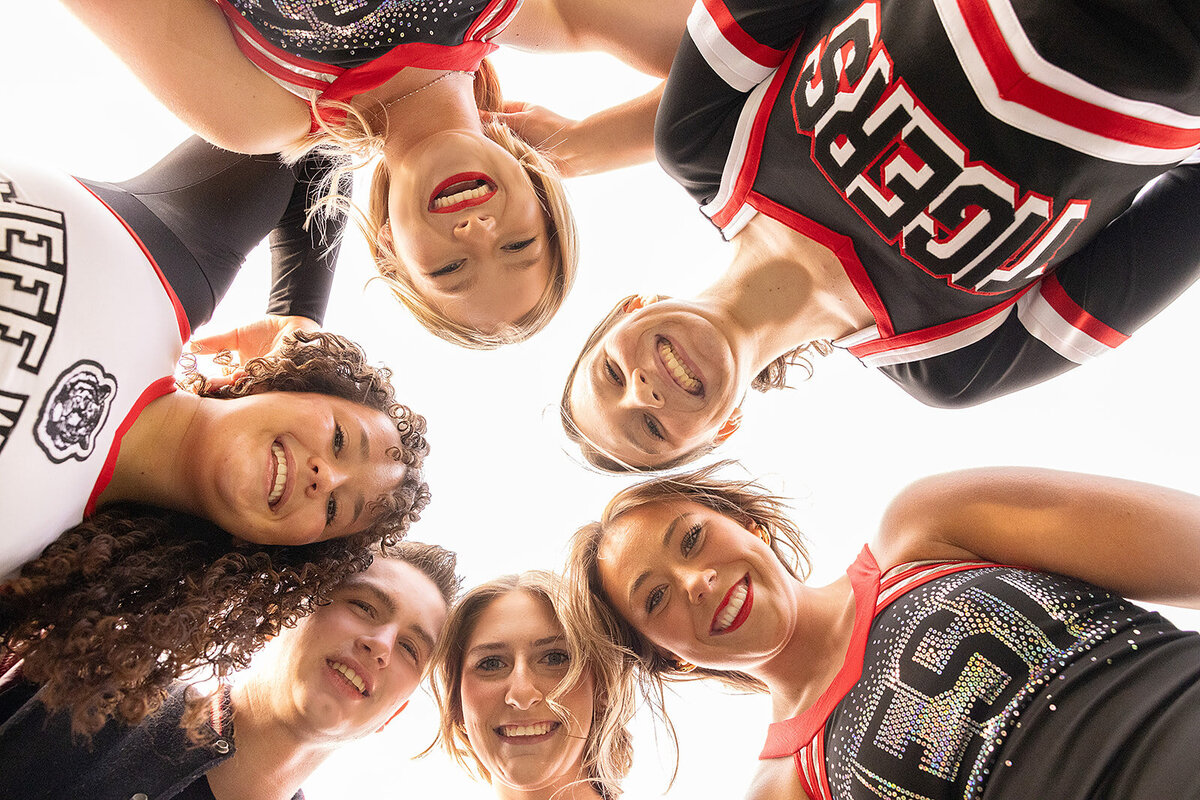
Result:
515,618
410,593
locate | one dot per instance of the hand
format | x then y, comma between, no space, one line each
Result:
259,338
547,131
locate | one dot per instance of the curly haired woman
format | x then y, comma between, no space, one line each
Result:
184,495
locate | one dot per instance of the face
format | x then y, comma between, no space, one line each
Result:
345,669
658,385
468,230
698,585
294,467
514,658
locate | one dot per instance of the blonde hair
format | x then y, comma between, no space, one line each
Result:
608,750
773,376
354,137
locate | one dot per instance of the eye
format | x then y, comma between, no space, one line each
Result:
654,428
339,438
449,269
612,373
517,247
689,540
557,658
363,606
410,648
490,664
331,507
654,598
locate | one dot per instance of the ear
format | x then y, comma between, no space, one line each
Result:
385,235
639,301
403,706
731,425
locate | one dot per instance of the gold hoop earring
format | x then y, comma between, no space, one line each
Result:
761,533
684,666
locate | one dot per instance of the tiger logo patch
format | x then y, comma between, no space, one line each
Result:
74,411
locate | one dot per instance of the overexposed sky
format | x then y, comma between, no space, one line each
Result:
507,487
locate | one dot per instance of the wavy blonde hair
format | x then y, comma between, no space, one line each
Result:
355,138
608,751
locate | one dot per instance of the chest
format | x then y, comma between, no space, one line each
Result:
776,779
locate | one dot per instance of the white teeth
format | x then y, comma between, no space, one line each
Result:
350,675
280,474
732,608
458,197
536,729
683,376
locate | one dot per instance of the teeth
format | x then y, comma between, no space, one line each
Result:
350,675
280,474
469,194
537,729
732,608
683,376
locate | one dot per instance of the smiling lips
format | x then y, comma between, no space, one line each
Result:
280,470
734,608
352,677
679,368
461,191
527,732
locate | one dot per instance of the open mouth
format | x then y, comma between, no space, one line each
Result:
681,371
734,608
461,191
351,677
279,479
528,732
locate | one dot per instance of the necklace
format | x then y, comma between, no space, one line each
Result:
438,79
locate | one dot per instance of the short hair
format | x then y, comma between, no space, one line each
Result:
608,751
434,561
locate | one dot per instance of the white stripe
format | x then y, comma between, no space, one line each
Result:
737,153
300,90
1038,124
499,9
1048,326
940,346
736,69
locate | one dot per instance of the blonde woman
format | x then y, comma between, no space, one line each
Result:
956,658
532,700
467,222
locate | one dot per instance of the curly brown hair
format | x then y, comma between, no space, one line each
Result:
131,598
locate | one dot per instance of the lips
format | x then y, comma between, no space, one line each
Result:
734,608
461,191
679,368
350,676
279,467
527,732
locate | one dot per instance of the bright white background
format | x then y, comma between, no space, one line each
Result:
508,489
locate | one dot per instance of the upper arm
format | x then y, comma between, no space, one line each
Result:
1138,539
184,53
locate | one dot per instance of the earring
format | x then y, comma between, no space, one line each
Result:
762,534
684,666
639,301
731,425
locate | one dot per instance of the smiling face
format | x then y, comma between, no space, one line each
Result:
294,467
468,230
345,669
514,658
698,585
658,385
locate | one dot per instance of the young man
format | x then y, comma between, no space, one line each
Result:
339,675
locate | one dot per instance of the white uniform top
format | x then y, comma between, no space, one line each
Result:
89,334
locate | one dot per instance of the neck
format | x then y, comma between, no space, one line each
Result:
148,467
561,789
271,759
816,650
434,104
783,290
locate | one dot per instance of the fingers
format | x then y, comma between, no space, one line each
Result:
214,343
221,381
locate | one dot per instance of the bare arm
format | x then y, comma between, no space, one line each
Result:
1135,538
184,53
643,34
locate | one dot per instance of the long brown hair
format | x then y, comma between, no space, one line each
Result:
125,602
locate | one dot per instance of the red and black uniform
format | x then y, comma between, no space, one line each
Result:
975,680
974,165
335,51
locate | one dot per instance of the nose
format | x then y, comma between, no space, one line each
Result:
376,646
698,583
323,477
476,226
523,694
644,392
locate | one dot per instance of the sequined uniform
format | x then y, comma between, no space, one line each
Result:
335,49
964,162
973,680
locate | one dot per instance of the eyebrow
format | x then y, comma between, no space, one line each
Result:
666,543
491,647
389,606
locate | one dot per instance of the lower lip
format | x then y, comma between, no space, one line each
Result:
687,362
519,740
743,613
344,686
462,177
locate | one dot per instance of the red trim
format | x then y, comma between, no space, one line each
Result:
475,32
1016,86
841,245
159,388
786,737
1054,294
278,71
426,55
185,329
235,19
743,42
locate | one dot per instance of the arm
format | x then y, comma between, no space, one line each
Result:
1092,302
184,53
1138,539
